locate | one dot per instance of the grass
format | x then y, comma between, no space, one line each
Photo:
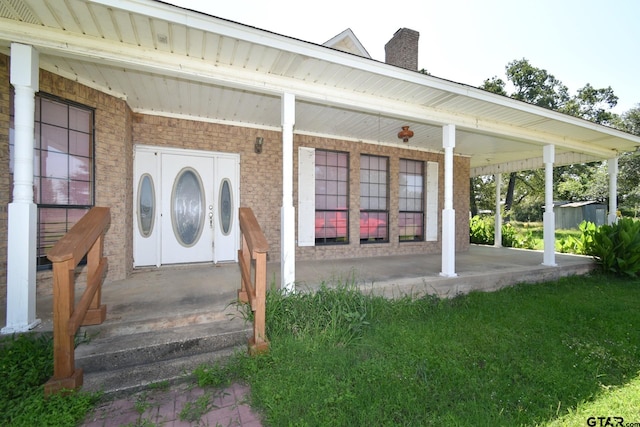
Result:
26,363
531,355
555,354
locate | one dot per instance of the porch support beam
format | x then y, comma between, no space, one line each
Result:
287,213
498,220
612,167
549,219
102,51
448,213
21,244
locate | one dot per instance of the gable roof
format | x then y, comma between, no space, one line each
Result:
347,41
171,61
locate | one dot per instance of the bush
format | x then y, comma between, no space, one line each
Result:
514,238
482,230
582,245
616,247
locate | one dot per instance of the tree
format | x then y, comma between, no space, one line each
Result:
593,104
525,190
536,86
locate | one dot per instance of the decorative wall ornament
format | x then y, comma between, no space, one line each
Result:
405,134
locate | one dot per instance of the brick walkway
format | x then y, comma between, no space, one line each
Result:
181,405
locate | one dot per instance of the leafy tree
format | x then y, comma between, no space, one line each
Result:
495,85
593,104
525,190
536,86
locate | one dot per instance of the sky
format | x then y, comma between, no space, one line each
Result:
468,41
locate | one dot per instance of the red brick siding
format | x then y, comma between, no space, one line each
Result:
118,128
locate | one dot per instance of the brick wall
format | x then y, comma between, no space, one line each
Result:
261,180
394,246
113,168
260,174
118,128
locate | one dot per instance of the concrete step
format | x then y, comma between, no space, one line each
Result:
120,364
126,381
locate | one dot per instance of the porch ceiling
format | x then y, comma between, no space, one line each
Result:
170,61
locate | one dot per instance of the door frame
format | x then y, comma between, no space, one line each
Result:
154,242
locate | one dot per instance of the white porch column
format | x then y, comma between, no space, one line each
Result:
612,166
549,217
287,213
448,213
21,244
498,225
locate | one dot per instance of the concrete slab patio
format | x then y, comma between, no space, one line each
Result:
176,296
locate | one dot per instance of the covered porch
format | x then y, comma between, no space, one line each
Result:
163,323
178,296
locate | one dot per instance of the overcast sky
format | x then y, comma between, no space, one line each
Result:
468,41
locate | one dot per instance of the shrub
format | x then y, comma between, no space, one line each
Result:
582,245
616,247
514,238
482,230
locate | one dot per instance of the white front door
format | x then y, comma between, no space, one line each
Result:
186,206
187,209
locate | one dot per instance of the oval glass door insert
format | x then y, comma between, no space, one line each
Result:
187,207
226,206
146,205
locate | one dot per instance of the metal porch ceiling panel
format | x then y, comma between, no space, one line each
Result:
430,101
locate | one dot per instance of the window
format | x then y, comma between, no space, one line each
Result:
331,197
411,215
63,168
374,213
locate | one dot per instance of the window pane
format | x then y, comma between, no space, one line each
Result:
52,226
187,207
79,143
331,197
54,191
79,119
79,193
54,165
410,227
63,168
54,139
79,168
411,205
373,198
54,113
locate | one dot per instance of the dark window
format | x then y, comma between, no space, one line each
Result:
411,215
63,167
374,211
332,197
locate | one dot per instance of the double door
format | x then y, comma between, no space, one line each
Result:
186,206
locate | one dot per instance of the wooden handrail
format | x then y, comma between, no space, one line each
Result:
254,248
86,237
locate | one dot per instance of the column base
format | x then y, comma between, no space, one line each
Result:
12,329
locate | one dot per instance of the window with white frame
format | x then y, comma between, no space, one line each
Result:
411,201
63,167
331,197
374,199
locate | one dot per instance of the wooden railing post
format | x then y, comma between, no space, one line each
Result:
254,248
65,376
84,238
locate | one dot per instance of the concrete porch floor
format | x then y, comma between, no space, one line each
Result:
166,297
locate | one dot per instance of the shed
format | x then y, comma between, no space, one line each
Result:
570,215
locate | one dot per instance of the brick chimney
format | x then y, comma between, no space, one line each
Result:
402,49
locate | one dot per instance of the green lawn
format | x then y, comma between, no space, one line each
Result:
549,354
554,354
